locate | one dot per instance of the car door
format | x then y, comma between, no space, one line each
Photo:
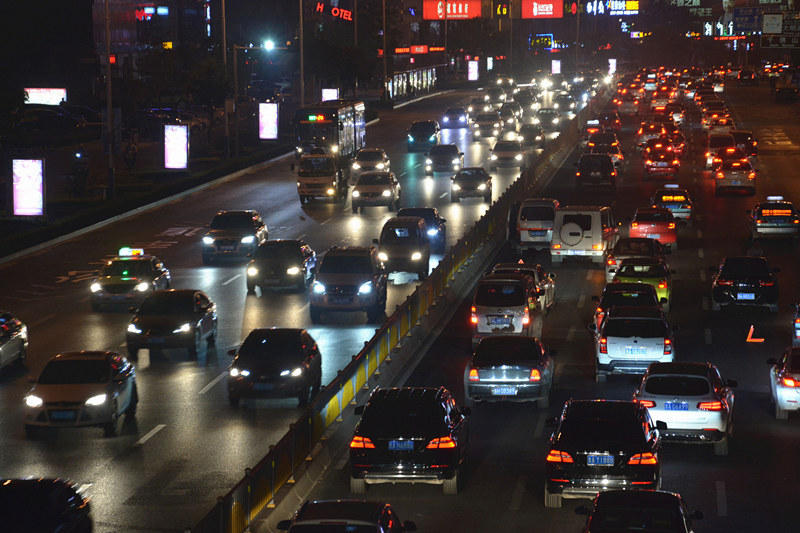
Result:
120,384
6,347
775,372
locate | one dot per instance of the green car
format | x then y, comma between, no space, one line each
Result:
650,271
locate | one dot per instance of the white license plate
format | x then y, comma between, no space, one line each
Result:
575,252
745,296
653,235
504,391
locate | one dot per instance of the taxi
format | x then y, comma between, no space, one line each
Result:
128,278
774,218
655,223
728,154
650,271
675,199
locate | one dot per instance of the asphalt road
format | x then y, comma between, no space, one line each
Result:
749,490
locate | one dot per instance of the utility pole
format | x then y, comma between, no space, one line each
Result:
302,58
355,41
385,50
109,109
510,41
225,77
235,97
577,35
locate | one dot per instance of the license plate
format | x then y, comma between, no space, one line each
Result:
661,164
594,174
340,300
575,252
63,415
401,445
120,297
226,248
745,296
635,350
504,391
537,233
676,406
263,386
653,235
672,206
595,459
499,321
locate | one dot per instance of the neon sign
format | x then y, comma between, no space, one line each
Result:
335,11
542,9
28,187
451,9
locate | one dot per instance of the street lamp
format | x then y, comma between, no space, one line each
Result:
268,45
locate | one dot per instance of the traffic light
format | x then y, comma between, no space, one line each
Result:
502,9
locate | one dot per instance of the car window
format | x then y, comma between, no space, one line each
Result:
400,417
276,348
471,174
346,264
130,269
278,252
499,294
537,212
653,216
232,221
583,221
444,149
740,267
74,371
635,327
399,234
369,155
375,178
594,163
167,303
642,271
486,117
505,351
677,385
507,146
634,247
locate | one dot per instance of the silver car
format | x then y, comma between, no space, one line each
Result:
13,340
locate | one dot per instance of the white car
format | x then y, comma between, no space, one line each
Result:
369,160
784,382
693,401
735,175
507,154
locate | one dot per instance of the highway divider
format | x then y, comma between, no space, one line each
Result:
234,511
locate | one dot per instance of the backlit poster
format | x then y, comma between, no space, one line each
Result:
542,9
267,121
555,67
612,66
451,9
28,187
330,94
176,146
472,70
45,96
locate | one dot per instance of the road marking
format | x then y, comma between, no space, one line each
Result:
588,275
212,383
150,434
571,333
326,221
700,253
42,320
722,500
702,275
581,300
443,195
403,173
705,303
342,462
707,335
750,337
234,278
537,433
516,495
699,234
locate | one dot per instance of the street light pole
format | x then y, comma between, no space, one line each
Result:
355,42
235,97
109,144
302,59
385,51
225,74
510,41
577,36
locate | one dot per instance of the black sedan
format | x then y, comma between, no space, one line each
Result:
275,363
422,135
745,281
639,510
233,234
44,505
173,319
409,434
471,181
601,445
435,225
281,264
13,340
455,117
357,516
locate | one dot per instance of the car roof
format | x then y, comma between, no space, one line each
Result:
630,311
419,395
593,408
681,368
265,333
85,355
380,150
505,276
401,221
349,510
349,250
636,498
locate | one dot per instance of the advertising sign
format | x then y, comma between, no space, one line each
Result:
472,70
622,7
542,9
45,96
267,121
555,67
330,94
28,187
772,23
451,9
489,63
612,66
176,146
419,48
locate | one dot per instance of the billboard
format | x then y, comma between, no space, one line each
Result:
451,9
555,66
542,9
176,146
40,95
472,70
267,121
330,94
28,187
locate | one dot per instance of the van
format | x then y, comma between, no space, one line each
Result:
587,231
535,224
505,304
404,246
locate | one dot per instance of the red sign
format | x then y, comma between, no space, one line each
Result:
335,12
419,49
432,49
451,9
402,50
542,9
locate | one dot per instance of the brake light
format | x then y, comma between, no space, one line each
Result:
648,162
535,375
597,247
578,173
640,131
730,150
766,283
473,374
611,261
557,456
751,176
670,225
720,175
797,321
675,162
473,317
710,406
613,172
667,346
526,318
636,102
708,154
646,403
725,282
787,381
556,246
440,443
603,345
361,443
645,458
662,284
634,224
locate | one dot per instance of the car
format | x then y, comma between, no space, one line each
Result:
527,99
678,142
13,340
283,263
655,223
796,325
610,120
565,105
233,234
549,119
583,231
627,103
375,189
715,143
784,382
508,368
404,246
82,389
422,135
128,278
444,158
505,304
275,363
435,225
507,154
622,294
399,427
736,175
660,158
487,125
534,224
747,77
639,510
612,150
531,136
676,112
596,170
649,130
633,247
604,136
601,445
512,107
455,117
631,338
545,281
744,281
350,278
477,105
44,505
591,127
729,155
173,318
495,96
471,181
692,399
717,124
675,199
745,141
775,218
346,516
509,119
369,160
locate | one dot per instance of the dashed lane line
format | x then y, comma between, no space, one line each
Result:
229,281
44,319
150,434
516,495
443,195
588,275
212,383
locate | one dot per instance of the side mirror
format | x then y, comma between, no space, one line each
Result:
582,510
284,525
661,425
231,352
697,515
359,410
466,411
409,525
731,383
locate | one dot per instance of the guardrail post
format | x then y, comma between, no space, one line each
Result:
385,342
248,475
220,505
354,381
339,395
292,430
271,503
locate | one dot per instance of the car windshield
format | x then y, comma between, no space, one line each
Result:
455,111
375,178
743,267
232,221
486,117
618,519
273,348
130,269
311,166
422,127
499,294
507,351
644,247
653,216
603,138
279,252
398,234
647,328
424,213
469,174
167,303
74,371
369,155
334,528
507,146
677,385
611,299
401,417
346,264
537,212
444,150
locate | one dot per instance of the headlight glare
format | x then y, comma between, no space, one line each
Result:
97,399
416,256
208,240
356,194
482,187
518,157
95,287
252,271
380,166
455,186
433,232
293,271
386,192
383,256
297,372
318,288
143,286
356,166
183,328
248,239
365,288
133,329
33,401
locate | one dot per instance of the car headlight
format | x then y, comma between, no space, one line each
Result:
518,157
411,138
248,239
365,288
252,271
293,271
482,187
334,149
509,120
297,372
462,119
380,166
208,240
555,120
520,138
445,119
496,125
95,287
133,329
455,186
356,194
318,288
428,161
386,192
183,328
383,256
538,137
416,256
536,121
32,400
470,109
432,138
299,150
476,125
356,166
493,157
236,372
330,191
555,106
142,287
97,399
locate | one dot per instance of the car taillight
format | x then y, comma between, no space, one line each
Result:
611,261
675,162
787,381
473,374
526,318
648,162
667,346
708,154
662,284
440,443
671,225
557,456
603,345
711,406
646,403
725,282
597,247
556,246
634,224
751,176
535,375
640,131
766,283
361,442
797,322
645,458
720,175
577,174
613,172
473,317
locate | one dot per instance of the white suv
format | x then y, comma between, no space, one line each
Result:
583,231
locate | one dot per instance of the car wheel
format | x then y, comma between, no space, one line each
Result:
316,314
111,428
22,357
551,501
251,289
192,348
721,447
358,486
131,410
450,486
234,399
781,414
355,209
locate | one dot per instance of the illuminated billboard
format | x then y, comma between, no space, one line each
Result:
45,96
176,146
28,187
267,121
542,9
451,9
330,94
472,70
555,66
623,7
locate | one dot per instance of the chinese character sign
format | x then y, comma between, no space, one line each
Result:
176,146
267,121
542,9
28,187
451,9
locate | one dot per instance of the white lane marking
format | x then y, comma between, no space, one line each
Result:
212,383
537,433
571,333
706,305
443,195
234,278
325,221
581,300
699,234
588,275
700,253
722,500
707,335
42,320
150,434
516,495
702,275
342,462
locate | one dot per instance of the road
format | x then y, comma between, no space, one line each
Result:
749,490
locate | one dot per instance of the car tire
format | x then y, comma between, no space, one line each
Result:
781,414
721,447
551,501
316,314
355,209
450,486
302,396
234,399
130,412
358,486
251,289
111,428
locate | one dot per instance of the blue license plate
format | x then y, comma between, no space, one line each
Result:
654,236
662,164
746,296
676,406
594,459
537,233
504,391
401,445
635,350
63,415
499,321
672,206
263,386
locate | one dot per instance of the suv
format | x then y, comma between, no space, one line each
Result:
504,304
404,246
350,279
744,281
583,231
281,263
639,510
444,158
346,515
535,223
717,142
596,170
233,234
369,159
455,117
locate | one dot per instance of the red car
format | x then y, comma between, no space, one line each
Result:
660,157
655,223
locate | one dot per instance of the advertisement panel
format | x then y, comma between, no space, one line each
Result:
451,9
542,9
267,121
472,70
555,67
330,94
40,95
28,187
612,66
176,146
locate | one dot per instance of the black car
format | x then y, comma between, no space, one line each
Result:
43,505
434,224
596,170
346,516
409,434
745,141
455,117
444,158
233,234
422,135
601,445
655,511
746,281
183,318
281,263
275,363
471,181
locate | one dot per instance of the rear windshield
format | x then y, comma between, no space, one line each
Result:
401,417
636,518
601,431
583,221
378,178
346,264
654,216
594,163
642,271
719,141
742,166
497,351
741,267
635,327
276,347
499,294
677,385
75,371
232,221
537,212
333,528
603,138
444,149
635,247
638,299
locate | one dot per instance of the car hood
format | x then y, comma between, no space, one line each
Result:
228,233
145,322
120,280
68,393
343,279
372,188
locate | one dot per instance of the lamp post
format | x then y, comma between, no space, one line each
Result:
225,74
302,58
385,51
109,144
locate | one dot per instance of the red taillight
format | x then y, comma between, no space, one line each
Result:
535,375
766,283
675,162
613,172
603,345
526,318
711,406
725,282
556,246
662,284
634,224
787,381
577,174
473,317
720,175
648,162
473,374
797,321
646,458
611,261
729,150
751,176
646,403
708,154
640,131
670,225
557,456
361,442
667,346
441,443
